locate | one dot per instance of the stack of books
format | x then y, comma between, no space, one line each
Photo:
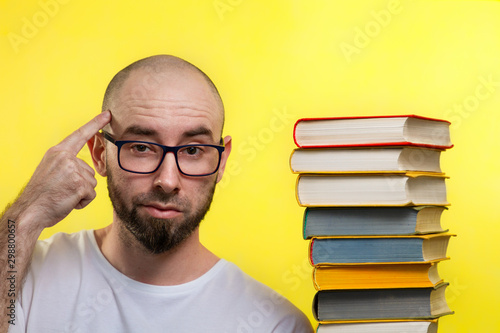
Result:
374,194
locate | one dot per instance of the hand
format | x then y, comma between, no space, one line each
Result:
62,182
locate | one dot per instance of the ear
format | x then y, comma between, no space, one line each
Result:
97,149
224,157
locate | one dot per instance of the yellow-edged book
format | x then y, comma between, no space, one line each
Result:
376,276
348,190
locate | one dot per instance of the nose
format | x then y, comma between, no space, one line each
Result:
167,177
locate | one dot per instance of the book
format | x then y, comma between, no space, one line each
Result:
393,159
423,326
373,304
371,190
372,131
378,249
376,276
363,221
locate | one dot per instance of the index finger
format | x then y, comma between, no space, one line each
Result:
76,140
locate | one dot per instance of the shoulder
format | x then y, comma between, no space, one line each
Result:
61,244
257,305
57,265
60,251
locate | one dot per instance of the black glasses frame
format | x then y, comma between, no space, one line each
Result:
166,149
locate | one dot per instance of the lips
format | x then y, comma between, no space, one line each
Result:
162,211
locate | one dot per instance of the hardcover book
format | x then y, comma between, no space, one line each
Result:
378,249
365,160
363,221
410,189
373,304
376,276
372,131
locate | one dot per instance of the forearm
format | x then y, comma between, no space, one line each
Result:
17,241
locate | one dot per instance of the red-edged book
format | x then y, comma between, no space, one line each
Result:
370,131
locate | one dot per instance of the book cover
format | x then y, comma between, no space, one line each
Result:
364,221
409,189
373,304
378,249
376,276
365,160
372,131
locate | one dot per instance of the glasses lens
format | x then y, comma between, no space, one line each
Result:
198,160
192,160
140,156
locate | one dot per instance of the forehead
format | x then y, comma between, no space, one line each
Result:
168,101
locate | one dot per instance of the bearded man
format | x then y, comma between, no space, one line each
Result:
158,140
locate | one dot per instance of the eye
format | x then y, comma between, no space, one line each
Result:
141,148
192,150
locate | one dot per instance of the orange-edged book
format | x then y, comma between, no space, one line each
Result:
378,249
376,276
365,160
371,131
409,189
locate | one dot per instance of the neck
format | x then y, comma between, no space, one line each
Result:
186,262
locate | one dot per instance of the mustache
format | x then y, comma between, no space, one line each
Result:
160,197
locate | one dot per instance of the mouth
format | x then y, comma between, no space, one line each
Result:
162,211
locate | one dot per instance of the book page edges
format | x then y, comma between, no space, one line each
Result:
358,148
430,317
326,322
404,143
368,117
391,277
406,204
422,236
426,318
368,145
327,264
410,174
433,261
416,233
389,204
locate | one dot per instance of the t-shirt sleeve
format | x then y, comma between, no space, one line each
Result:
296,323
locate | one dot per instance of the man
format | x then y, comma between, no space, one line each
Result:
161,150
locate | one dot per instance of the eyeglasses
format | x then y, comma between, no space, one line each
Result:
146,157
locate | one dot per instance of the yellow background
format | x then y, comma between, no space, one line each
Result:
274,62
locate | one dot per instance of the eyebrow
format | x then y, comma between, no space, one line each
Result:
201,130
149,132
138,130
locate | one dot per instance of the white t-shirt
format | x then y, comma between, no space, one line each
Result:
72,288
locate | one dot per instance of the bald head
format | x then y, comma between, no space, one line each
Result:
153,69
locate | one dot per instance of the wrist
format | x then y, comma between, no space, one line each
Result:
24,220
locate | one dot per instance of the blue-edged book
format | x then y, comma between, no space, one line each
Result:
362,221
378,249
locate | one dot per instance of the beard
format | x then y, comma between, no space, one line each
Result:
158,235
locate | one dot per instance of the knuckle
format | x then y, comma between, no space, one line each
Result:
79,182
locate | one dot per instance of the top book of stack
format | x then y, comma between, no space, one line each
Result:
404,130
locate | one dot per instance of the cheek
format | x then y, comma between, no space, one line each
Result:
200,190
133,185
127,183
